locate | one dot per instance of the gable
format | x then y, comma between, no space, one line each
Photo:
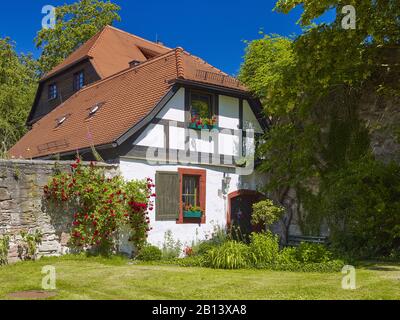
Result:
169,128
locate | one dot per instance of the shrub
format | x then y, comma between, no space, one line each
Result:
313,253
4,247
361,204
193,261
231,255
265,213
149,253
204,247
264,248
27,246
171,249
287,256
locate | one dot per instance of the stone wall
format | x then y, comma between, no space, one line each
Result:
22,207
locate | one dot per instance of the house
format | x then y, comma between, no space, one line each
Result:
160,113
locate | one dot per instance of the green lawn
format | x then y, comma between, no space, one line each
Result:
116,278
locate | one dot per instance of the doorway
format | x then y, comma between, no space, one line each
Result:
240,210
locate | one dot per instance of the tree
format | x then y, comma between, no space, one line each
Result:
75,24
311,86
17,90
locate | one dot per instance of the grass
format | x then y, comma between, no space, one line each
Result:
79,277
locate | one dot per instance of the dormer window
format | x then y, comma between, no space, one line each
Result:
79,80
53,92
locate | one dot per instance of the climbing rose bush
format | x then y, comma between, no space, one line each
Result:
101,205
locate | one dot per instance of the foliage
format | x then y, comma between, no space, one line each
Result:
4,247
296,266
75,24
203,247
171,249
102,205
149,253
264,248
17,90
231,255
313,253
218,236
362,205
265,213
311,87
27,247
263,252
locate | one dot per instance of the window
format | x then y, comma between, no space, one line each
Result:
192,196
79,80
53,93
201,105
190,191
94,109
60,121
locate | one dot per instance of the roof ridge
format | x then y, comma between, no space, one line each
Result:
180,70
137,37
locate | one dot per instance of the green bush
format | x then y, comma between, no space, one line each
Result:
204,247
195,261
287,256
361,204
231,255
265,213
149,253
313,253
264,248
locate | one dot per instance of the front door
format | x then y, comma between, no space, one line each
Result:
241,209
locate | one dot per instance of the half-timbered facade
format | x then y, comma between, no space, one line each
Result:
160,113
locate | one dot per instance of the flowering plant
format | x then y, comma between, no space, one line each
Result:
102,205
202,121
188,251
191,208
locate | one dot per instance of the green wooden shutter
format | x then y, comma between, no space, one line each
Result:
167,201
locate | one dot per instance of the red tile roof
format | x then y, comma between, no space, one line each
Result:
126,98
111,50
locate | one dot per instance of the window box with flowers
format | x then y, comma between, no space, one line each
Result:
198,123
193,212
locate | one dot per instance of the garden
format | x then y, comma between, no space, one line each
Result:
228,265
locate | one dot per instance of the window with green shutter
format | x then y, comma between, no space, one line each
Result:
167,201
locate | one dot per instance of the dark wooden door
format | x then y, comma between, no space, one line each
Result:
241,212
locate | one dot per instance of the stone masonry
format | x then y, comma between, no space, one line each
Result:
22,207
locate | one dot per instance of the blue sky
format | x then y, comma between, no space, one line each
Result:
212,30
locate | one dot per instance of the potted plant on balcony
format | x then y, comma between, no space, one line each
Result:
190,211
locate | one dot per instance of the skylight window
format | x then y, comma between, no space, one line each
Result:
93,110
61,120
